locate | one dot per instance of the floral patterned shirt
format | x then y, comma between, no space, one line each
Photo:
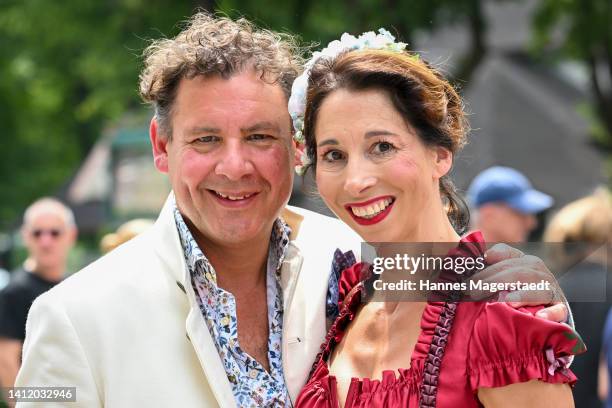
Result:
251,384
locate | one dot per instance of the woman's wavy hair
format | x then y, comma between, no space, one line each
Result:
425,99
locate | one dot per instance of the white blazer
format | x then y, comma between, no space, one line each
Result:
126,331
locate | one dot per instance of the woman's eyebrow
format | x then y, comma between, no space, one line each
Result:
374,133
327,142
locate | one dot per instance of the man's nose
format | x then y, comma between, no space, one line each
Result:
358,178
46,240
235,162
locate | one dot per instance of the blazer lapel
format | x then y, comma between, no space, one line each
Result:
293,322
168,247
209,358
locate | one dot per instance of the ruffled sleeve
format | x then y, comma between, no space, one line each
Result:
510,346
349,278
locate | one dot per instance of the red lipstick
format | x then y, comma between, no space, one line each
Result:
374,220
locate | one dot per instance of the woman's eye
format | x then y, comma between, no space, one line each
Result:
382,147
333,155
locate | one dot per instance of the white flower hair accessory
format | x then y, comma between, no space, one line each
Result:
384,40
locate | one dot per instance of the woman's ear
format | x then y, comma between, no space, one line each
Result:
294,150
443,161
299,152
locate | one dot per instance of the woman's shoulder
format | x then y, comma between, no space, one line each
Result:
510,326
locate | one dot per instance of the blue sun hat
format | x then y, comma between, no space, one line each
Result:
507,185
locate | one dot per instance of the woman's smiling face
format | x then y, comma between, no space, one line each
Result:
373,171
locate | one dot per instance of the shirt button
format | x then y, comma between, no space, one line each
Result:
253,373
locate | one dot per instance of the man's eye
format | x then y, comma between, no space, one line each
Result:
382,147
207,139
259,136
333,155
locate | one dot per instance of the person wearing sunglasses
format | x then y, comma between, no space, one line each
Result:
48,232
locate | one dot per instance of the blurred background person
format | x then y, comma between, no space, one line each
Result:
48,232
579,225
124,233
504,204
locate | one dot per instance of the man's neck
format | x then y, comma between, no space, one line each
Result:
241,268
51,274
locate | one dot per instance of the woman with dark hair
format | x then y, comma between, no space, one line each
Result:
380,128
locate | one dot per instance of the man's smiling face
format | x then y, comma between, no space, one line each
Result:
230,156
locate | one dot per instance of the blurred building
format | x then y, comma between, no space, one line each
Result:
117,181
524,115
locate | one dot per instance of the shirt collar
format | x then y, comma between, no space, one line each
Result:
279,241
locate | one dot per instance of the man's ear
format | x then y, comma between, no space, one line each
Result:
159,144
443,161
73,234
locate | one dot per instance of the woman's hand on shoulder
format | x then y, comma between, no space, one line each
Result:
507,264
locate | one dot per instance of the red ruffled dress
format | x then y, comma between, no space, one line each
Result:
488,345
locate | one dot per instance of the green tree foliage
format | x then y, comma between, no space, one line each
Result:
582,30
66,69
320,21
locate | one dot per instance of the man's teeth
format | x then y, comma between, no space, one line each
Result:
373,209
233,198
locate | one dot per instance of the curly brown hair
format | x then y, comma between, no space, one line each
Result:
214,45
425,99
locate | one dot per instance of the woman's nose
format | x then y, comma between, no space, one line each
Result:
358,179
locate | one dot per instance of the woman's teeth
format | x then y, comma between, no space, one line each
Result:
373,209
